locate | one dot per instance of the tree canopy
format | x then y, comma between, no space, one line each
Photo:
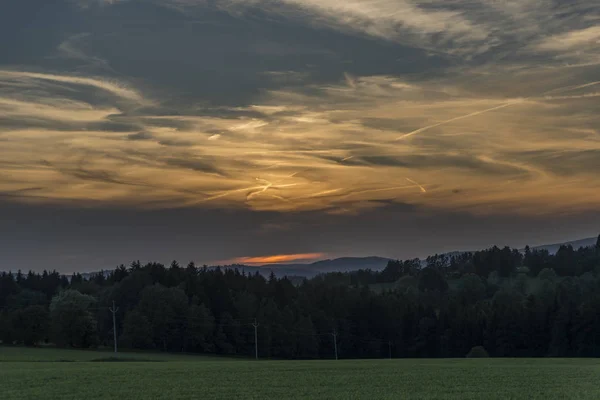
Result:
506,302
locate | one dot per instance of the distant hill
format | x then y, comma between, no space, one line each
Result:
553,248
344,264
348,264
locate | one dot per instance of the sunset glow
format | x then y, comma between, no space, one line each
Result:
300,116
278,258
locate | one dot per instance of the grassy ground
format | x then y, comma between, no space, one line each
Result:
31,374
51,354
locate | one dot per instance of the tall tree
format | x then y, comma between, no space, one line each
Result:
72,322
166,310
137,331
31,324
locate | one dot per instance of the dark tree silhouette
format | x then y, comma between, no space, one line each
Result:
496,301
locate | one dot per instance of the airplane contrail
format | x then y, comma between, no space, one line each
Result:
292,151
425,128
347,158
262,190
298,172
350,81
569,88
268,185
380,190
227,193
573,97
279,198
418,184
473,114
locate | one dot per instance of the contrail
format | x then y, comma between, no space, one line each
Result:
268,185
263,189
292,151
259,189
380,190
473,114
286,185
350,81
418,184
227,193
569,88
573,97
279,198
347,158
298,172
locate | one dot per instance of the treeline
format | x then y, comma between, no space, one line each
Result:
514,304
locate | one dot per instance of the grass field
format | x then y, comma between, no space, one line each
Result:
48,374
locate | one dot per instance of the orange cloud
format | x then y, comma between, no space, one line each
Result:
277,258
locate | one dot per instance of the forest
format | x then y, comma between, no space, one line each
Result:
501,301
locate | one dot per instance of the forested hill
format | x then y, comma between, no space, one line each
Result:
350,264
297,272
343,264
513,303
553,248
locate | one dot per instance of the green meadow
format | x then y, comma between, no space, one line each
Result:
72,374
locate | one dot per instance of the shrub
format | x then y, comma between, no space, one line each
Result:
478,352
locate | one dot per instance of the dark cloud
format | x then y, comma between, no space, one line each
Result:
212,56
195,165
32,122
163,122
175,143
140,136
395,125
35,28
112,126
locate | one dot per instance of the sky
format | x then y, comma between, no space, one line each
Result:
294,130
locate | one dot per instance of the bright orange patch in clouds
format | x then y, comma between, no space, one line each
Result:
278,258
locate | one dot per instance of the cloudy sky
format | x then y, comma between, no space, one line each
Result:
215,130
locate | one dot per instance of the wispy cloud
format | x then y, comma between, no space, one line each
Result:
314,152
115,88
476,125
574,40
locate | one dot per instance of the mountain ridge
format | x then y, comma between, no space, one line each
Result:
349,264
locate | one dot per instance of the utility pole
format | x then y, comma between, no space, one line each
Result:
334,334
390,349
114,310
255,325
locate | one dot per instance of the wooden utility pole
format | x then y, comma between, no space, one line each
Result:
114,310
255,325
334,334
